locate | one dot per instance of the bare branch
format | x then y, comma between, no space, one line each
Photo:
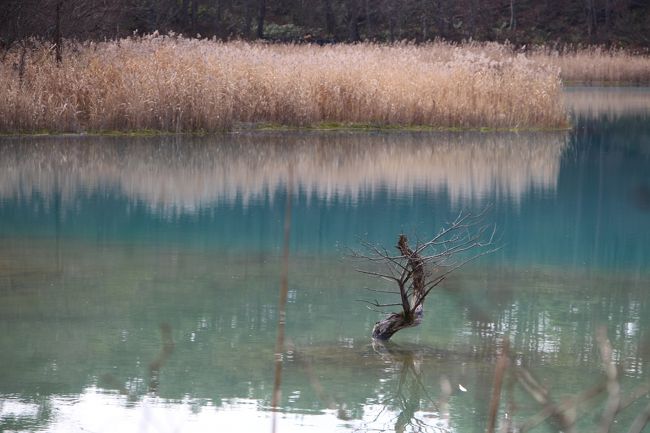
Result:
379,274
559,410
380,255
376,303
640,421
392,292
553,410
638,393
380,252
462,222
375,310
431,284
444,274
499,372
613,387
541,395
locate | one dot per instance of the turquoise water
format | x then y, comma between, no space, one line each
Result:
103,240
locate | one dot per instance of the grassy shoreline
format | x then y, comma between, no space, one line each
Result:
265,127
160,85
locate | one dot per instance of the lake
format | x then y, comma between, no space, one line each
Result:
140,277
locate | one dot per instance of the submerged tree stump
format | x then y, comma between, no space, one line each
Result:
413,310
416,271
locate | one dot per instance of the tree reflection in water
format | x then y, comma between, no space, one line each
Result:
418,409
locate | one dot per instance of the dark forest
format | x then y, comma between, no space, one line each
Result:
522,22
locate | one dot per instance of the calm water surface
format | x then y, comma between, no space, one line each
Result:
112,248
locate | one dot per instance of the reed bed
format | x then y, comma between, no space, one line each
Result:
597,65
176,84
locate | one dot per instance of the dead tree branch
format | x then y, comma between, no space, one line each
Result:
416,271
499,373
613,387
640,421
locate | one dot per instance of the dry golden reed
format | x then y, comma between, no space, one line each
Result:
176,84
596,65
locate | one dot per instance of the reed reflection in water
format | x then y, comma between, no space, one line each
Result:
184,174
608,102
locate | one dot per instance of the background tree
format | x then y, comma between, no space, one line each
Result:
260,19
609,22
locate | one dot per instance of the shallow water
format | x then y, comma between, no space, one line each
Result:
105,240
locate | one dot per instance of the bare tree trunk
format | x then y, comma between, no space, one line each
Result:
391,20
440,18
185,5
260,19
368,22
416,264
353,20
218,17
412,310
424,28
473,11
397,9
195,8
58,40
248,18
513,20
330,19
423,21
591,18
